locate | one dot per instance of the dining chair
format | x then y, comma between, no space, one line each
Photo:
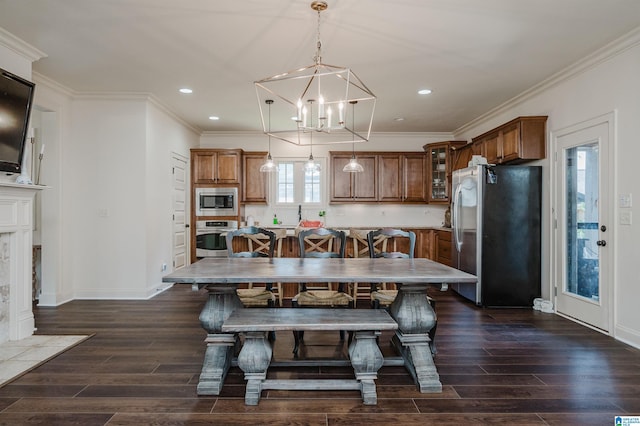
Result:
362,291
259,242
320,243
393,244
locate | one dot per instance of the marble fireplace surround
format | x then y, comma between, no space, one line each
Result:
16,227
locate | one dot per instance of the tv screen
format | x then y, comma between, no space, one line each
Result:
16,96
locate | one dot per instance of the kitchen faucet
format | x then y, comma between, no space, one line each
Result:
299,213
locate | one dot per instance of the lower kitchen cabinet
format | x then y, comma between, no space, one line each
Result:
443,248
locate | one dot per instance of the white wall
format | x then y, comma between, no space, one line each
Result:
104,197
52,107
339,215
164,137
107,161
607,81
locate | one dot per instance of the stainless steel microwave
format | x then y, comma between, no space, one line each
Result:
216,201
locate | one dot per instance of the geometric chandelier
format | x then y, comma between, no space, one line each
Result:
314,99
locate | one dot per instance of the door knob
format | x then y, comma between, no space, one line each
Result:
601,243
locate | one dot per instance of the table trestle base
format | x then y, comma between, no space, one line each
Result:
365,358
416,353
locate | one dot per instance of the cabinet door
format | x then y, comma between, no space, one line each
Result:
228,167
438,173
510,143
214,166
424,243
443,247
462,156
204,167
366,182
341,182
491,148
390,177
415,176
254,182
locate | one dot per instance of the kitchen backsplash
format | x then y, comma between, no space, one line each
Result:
356,215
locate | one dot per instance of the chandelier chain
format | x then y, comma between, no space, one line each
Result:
318,58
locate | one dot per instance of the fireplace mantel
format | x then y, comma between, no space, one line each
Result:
16,227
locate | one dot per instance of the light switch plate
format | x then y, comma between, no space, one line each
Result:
624,200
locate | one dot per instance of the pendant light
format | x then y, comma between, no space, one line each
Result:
331,87
269,166
311,166
353,166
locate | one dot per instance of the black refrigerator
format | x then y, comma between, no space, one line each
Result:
496,220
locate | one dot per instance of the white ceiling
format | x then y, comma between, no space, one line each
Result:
473,54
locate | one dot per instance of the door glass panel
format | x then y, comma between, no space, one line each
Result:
438,173
582,197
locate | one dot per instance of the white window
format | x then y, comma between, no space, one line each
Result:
294,185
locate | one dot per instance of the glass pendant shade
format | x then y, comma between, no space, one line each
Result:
353,166
311,165
269,166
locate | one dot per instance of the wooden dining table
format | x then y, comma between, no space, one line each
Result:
410,309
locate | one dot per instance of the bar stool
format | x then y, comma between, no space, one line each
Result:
320,243
261,243
362,291
384,296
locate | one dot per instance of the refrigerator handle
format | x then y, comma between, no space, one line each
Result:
456,218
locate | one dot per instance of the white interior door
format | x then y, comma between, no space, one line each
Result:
180,234
583,250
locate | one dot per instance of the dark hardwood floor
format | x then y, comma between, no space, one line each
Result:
497,366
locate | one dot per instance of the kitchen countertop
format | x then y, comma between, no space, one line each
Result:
292,230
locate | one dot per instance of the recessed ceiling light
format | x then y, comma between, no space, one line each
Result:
424,91
186,90
214,118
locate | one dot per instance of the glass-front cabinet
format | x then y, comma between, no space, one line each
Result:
440,158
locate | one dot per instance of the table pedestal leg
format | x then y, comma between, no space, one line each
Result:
254,360
366,360
415,317
220,346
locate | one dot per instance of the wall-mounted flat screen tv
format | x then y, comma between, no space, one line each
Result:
16,98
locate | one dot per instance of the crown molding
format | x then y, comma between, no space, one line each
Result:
42,80
19,46
136,96
441,135
604,54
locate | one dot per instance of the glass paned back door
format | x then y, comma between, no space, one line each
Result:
582,221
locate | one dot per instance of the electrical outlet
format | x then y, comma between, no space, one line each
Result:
625,217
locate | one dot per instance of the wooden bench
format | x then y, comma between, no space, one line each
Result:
255,356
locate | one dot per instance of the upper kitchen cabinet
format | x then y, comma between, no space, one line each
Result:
440,158
462,155
214,166
519,140
254,182
402,177
353,187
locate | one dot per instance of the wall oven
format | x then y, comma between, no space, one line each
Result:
210,237
216,201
